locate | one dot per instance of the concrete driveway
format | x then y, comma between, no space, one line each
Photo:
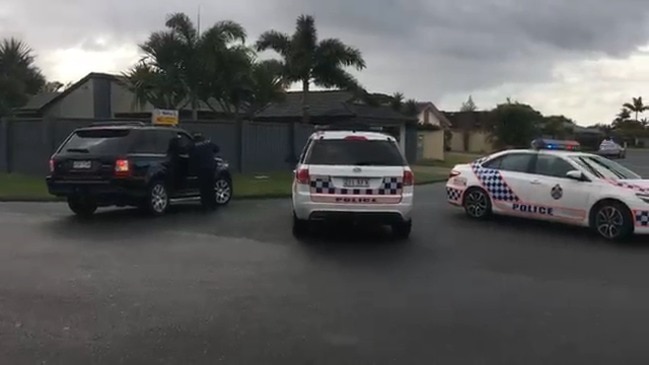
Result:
235,287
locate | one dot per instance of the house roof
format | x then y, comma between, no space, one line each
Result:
421,106
39,100
330,103
469,119
76,85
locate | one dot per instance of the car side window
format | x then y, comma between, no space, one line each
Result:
304,150
144,143
162,140
185,143
516,162
552,166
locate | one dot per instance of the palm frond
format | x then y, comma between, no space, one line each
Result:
333,51
274,40
182,25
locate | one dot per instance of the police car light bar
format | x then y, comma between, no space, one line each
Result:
554,144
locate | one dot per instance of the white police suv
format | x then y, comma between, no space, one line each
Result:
359,176
554,182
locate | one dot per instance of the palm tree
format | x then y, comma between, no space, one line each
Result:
621,117
268,84
410,107
397,101
309,61
636,106
172,72
19,77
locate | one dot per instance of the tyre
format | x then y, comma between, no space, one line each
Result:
300,226
157,201
477,203
612,220
402,230
223,191
82,207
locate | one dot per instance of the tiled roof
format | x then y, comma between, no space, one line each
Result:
39,100
321,103
334,103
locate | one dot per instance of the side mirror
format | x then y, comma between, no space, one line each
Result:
575,175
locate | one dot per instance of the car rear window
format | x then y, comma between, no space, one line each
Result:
354,152
97,141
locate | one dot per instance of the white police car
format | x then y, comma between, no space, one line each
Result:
554,182
358,176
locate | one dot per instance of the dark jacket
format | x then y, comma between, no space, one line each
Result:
203,153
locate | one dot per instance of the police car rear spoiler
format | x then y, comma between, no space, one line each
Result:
356,127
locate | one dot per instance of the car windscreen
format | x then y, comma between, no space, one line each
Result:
604,168
97,141
358,152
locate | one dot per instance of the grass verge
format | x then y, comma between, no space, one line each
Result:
15,187
451,159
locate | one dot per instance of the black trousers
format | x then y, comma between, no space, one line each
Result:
206,185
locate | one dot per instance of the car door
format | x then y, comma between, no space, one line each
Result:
177,165
566,199
191,175
507,179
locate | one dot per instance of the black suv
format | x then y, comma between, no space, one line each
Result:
129,164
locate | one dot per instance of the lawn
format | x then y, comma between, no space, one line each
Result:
278,184
452,159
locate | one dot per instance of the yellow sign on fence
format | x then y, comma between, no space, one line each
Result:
164,117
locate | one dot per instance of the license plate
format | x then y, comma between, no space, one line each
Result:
356,183
81,165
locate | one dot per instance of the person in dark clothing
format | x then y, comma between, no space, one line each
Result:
202,158
173,156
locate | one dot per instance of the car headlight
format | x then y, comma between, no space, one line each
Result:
644,197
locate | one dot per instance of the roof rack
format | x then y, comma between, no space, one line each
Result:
107,124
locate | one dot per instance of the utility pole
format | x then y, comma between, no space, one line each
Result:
198,21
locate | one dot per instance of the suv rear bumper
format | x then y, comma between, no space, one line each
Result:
100,190
307,209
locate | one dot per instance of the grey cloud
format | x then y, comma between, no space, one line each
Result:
426,48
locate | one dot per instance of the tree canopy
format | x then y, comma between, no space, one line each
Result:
19,76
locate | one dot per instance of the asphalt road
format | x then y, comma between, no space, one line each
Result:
234,287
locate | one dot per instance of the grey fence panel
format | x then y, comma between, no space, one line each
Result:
411,144
4,146
302,133
27,144
30,149
222,133
61,129
265,147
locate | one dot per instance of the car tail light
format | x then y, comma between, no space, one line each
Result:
453,173
408,178
122,168
52,165
302,176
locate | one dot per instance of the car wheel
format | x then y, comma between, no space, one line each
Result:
476,203
82,207
223,191
300,226
613,221
157,198
402,230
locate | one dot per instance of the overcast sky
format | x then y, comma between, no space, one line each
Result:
580,58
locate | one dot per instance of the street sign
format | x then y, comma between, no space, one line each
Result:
164,117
